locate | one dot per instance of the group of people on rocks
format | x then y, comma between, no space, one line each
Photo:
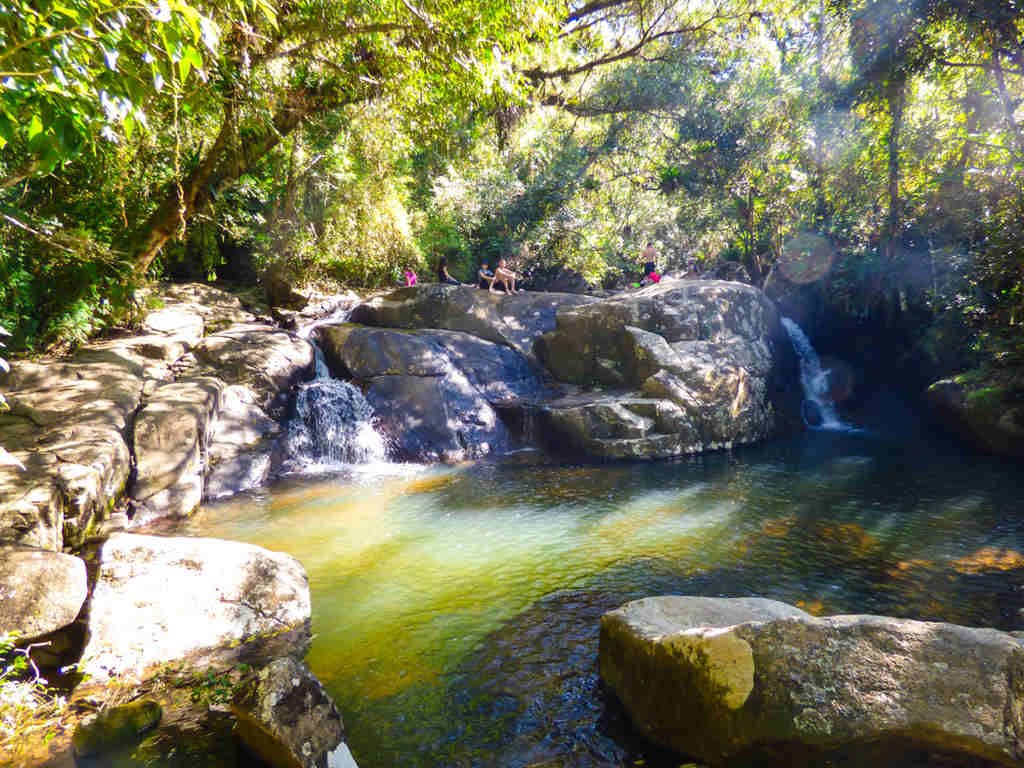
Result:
504,277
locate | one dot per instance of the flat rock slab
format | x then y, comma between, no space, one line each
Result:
40,591
718,679
161,599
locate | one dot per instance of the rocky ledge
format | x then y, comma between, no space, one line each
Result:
158,419
676,368
723,680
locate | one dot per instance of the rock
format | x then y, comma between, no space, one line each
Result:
159,599
984,408
432,392
40,591
115,727
263,358
286,718
238,456
620,426
704,355
67,425
515,321
171,432
719,680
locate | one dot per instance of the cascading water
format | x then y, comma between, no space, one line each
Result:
333,423
814,380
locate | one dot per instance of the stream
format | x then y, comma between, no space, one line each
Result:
456,609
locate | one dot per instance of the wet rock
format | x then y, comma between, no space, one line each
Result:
238,455
515,321
984,408
160,599
286,718
433,392
621,426
40,591
719,679
116,727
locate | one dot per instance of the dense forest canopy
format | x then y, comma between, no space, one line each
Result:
871,147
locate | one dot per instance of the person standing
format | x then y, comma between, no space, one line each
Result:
649,257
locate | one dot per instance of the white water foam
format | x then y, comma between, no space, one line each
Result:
814,380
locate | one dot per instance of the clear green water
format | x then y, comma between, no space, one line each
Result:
456,609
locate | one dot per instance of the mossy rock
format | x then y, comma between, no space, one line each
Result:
116,727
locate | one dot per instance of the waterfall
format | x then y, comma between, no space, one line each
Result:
814,380
332,424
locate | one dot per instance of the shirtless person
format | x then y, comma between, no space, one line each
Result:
505,276
650,259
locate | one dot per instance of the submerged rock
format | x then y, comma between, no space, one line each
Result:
160,599
40,591
287,719
987,410
433,392
720,680
116,727
515,321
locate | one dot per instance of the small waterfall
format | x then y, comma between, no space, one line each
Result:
814,380
333,423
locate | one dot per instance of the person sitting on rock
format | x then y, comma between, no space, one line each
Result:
506,277
410,277
442,273
486,275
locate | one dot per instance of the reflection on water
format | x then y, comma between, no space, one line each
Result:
456,609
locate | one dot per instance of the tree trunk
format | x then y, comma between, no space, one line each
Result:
896,95
224,163
1007,101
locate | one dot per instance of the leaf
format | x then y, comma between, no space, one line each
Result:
35,127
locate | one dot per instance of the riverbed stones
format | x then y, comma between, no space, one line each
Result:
718,679
515,321
116,727
433,392
161,599
40,591
286,718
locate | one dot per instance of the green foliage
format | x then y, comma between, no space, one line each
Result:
340,142
27,704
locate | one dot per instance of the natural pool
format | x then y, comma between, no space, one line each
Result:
456,609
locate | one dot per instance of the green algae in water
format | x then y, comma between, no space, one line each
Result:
456,610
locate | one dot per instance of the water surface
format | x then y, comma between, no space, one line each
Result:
456,609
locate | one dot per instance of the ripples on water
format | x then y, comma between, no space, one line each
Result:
456,610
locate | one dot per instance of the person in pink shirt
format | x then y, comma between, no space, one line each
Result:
410,277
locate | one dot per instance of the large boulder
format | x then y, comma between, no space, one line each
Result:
161,599
287,719
171,432
701,361
719,680
67,425
515,321
40,591
984,408
433,392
